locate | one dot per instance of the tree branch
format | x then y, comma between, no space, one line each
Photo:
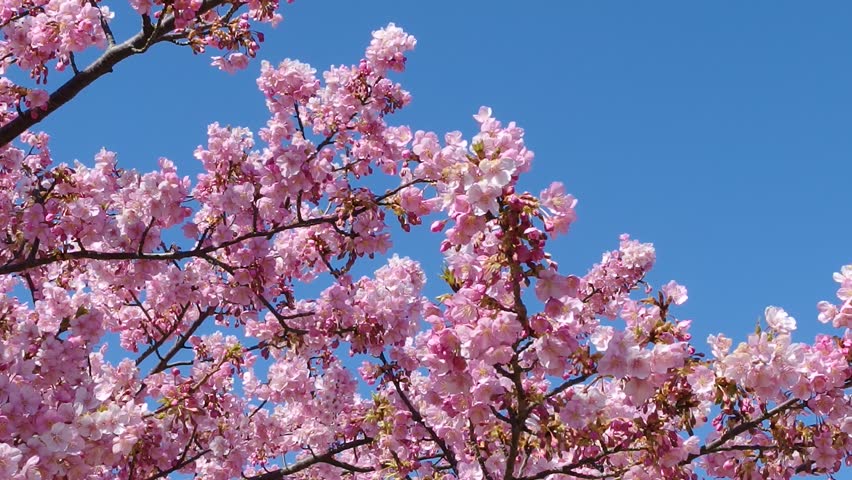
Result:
31,263
137,44
179,344
327,457
417,417
712,447
34,262
178,466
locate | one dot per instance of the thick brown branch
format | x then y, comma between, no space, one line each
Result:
517,419
163,338
23,13
327,457
31,263
566,385
596,461
719,444
34,262
180,343
178,466
104,64
714,446
417,417
282,319
478,451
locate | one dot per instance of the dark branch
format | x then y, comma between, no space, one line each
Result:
790,404
31,263
164,362
179,465
171,256
104,64
327,458
417,417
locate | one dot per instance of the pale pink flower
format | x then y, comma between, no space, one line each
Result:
720,345
779,320
559,208
483,198
388,47
552,285
230,63
483,115
37,98
10,457
601,336
498,172
635,254
827,311
141,6
676,293
123,444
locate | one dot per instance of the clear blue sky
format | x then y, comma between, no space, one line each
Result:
720,131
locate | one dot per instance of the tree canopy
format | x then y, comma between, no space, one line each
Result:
226,370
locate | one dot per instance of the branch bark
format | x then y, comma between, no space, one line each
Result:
448,453
712,447
33,261
327,457
139,43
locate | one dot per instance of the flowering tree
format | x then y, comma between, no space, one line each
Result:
520,371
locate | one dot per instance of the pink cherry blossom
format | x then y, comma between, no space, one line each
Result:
231,63
10,457
677,293
779,321
388,47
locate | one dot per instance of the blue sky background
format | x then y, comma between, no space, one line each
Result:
719,131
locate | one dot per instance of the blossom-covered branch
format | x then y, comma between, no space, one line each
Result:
33,41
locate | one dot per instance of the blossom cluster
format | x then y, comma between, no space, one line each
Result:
44,36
